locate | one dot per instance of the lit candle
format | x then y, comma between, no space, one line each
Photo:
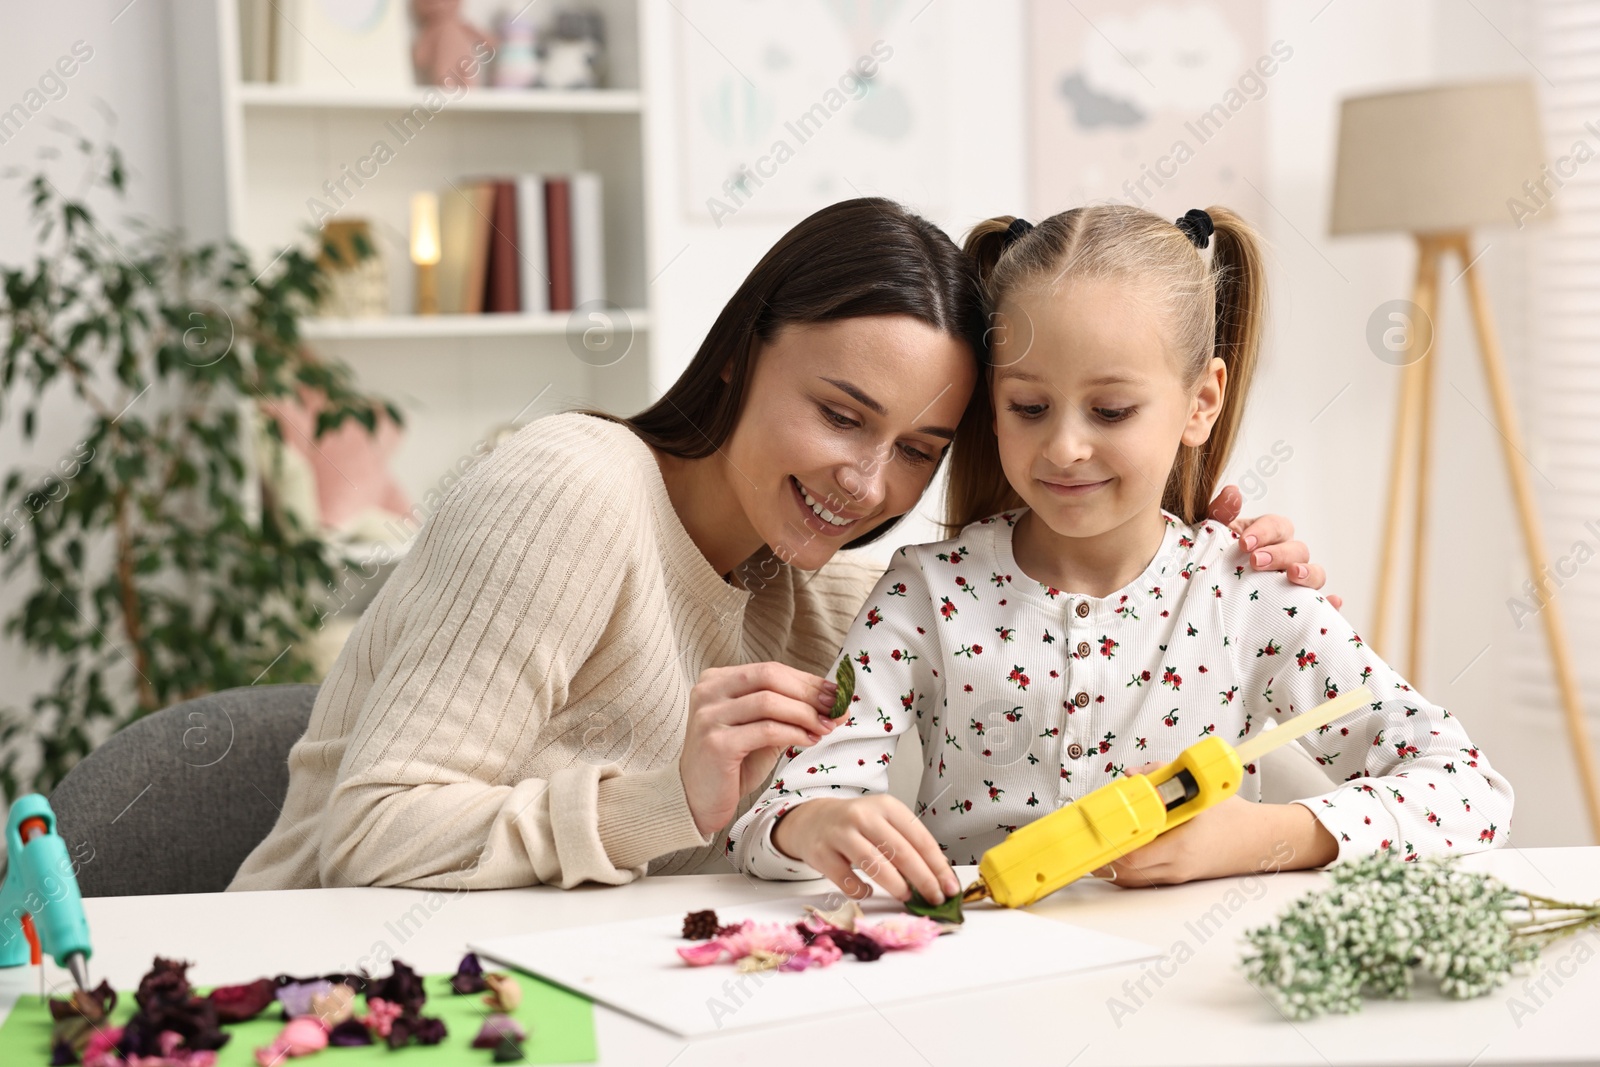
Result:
425,250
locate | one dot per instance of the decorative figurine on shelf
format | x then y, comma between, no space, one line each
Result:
447,50
516,64
358,286
575,53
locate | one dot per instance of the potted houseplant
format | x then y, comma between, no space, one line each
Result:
152,565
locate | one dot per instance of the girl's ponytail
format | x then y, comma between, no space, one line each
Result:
985,242
1238,271
977,484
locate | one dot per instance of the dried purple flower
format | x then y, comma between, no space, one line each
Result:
858,945
700,925
469,976
167,1004
402,987
349,1034
497,1027
421,1029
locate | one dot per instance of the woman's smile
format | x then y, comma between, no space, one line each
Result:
817,516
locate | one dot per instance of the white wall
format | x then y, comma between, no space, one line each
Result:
1323,292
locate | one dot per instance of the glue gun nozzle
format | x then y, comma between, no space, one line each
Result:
975,892
80,970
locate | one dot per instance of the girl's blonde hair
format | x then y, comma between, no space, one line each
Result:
1214,309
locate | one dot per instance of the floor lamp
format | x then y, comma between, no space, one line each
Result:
1435,163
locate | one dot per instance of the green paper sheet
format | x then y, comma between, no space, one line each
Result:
560,1029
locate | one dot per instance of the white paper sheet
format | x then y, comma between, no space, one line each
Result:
634,967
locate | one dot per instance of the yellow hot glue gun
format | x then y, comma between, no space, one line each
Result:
1131,812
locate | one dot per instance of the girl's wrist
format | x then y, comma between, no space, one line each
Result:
1300,841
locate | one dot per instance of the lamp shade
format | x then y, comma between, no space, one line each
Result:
1438,159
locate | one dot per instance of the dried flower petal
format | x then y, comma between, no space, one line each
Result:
469,976
334,1006
761,960
508,1051
102,1049
821,952
843,917
504,992
300,1036
702,953
380,1015
497,1027
902,931
349,1034
296,996
238,1003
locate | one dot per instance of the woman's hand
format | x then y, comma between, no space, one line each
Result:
740,718
875,833
1234,837
1268,542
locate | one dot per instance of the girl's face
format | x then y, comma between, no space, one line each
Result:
1090,404
853,414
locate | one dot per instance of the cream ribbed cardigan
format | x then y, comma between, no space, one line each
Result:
511,707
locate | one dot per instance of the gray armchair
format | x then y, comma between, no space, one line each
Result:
174,802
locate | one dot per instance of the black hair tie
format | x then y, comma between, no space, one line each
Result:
1196,225
1017,228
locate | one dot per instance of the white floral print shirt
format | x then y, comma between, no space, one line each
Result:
1028,697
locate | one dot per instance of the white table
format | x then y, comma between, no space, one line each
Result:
1200,1011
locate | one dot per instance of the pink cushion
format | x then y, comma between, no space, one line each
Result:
350,465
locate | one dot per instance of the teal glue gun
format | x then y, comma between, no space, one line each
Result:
40,905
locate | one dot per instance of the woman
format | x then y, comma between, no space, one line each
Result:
598,646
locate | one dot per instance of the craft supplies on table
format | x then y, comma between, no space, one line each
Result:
634,967
560,1029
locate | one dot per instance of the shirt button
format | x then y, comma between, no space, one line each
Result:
1075,751
1083,609
1083,649
1081,699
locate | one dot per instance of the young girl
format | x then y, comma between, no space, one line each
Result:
1083,626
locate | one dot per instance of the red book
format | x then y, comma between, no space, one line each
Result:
558,225
503,287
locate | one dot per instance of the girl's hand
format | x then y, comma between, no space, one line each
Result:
740,718
1268,542
1235,837
875,833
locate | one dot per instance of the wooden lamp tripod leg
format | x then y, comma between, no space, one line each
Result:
1405,425
1532,534
1427,301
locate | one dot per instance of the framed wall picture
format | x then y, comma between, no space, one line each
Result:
1155,104
358,45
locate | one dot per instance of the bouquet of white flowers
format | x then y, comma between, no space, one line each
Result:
1384,917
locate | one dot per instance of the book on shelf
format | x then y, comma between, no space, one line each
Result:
503,287
465,214
529,243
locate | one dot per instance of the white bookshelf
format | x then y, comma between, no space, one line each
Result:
407,327
256,154
593,101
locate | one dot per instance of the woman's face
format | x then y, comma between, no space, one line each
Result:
845,418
